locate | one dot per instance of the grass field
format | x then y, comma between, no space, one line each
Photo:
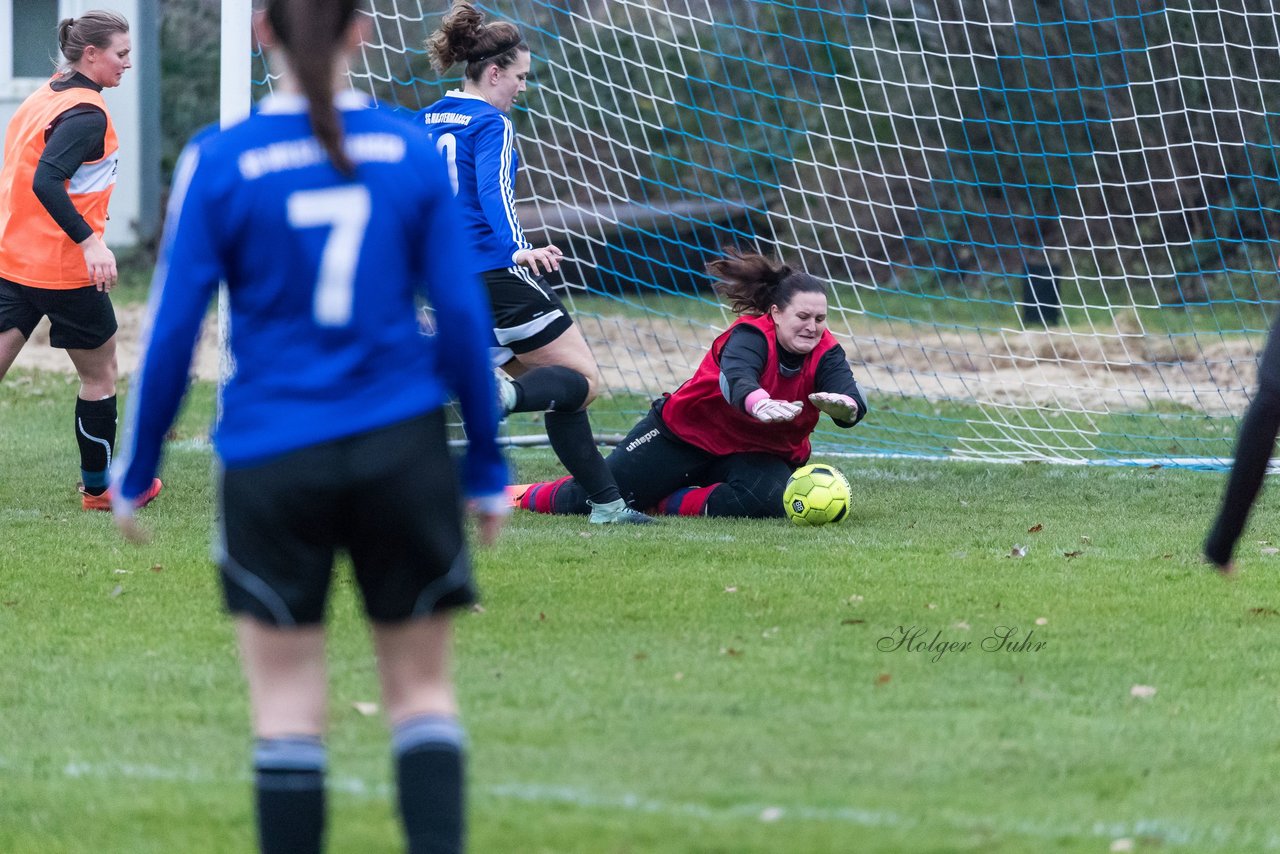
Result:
698,686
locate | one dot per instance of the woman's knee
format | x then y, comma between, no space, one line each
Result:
593,388
571,352
97,370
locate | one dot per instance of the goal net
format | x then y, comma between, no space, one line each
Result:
1049,228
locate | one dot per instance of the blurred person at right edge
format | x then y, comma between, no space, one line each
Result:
1254,447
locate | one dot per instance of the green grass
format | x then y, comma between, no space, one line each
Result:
697,686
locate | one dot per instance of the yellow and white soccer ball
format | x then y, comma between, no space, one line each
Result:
815,495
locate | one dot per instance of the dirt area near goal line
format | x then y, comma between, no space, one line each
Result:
38,355
1103,371
1094,372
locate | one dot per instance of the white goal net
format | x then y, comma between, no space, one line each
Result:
1048,227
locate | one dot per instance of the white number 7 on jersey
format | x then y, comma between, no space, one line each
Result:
345,211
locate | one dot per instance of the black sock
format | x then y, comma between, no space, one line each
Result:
571,439
553,386
96,436
428,756
289,784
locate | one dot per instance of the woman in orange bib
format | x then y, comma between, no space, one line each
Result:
60,160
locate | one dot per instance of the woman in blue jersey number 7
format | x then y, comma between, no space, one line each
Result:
538,343
328,220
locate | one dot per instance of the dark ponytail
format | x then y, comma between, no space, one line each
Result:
753,282
310,32
464,36
95,28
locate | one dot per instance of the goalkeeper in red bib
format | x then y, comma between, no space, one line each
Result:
727,440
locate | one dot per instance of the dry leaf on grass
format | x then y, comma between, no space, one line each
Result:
1069,555
1036,528
883,679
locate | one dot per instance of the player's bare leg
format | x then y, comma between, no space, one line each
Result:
285,669
96,419
97,370
427,739
11,343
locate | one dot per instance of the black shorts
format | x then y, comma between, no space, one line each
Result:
527,314
79,318
389,497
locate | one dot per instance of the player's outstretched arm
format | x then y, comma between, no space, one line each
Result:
186,276
841,407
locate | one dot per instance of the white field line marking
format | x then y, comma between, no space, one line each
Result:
1212,463
1169,832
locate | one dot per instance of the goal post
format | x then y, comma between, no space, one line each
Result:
1050,229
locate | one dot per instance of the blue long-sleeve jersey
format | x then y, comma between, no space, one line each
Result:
324,274
478,142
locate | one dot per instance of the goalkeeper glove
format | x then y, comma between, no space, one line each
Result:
841,407
769,410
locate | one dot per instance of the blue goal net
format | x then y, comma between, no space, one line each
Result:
1047,227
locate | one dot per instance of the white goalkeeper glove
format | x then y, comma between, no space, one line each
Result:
839,406
769,410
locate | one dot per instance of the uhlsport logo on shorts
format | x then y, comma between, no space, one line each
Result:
637,442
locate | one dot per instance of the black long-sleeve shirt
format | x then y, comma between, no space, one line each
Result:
75,137
743,358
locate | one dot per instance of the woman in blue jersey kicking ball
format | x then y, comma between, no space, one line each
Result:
726,441
552,365
328,219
